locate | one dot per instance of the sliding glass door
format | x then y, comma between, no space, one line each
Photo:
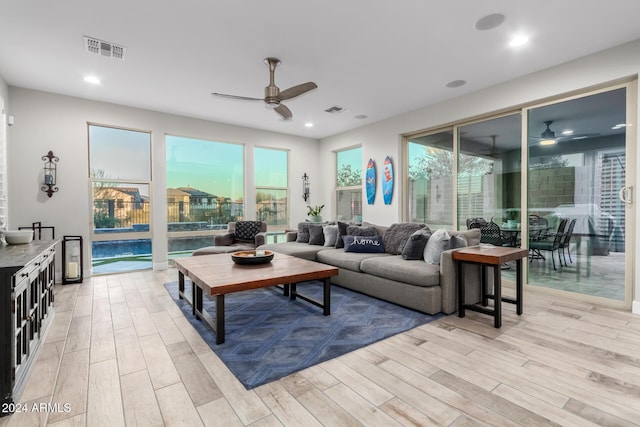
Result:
577,178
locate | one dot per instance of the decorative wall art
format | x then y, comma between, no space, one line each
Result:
387,181
370,180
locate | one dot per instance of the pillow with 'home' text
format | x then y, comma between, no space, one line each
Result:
363,244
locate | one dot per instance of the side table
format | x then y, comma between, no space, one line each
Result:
489,257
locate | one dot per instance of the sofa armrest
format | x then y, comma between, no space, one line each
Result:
449,284
261,238
223,239
291,236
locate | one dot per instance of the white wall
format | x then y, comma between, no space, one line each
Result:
382,138
4,90
45,121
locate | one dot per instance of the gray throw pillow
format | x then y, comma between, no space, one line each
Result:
303,232
316,235
396,236
342,231
457,242
330,235
355,230
438,243
414,248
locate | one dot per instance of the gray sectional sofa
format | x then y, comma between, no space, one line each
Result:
429,288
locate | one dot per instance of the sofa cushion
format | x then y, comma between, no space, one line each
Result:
246,231
303,232
414,248
437,243
363,244
395,268
347,260
397,235
330,235
316,235
472,236
342,231
381,228
300,250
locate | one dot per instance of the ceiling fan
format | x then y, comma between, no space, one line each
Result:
548,136
272,94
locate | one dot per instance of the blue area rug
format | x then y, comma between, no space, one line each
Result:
269,336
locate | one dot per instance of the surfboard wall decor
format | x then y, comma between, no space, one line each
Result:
370,181
387,181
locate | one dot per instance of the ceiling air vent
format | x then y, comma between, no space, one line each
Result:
100,47
335,110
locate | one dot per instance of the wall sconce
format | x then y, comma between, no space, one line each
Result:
50,167
305,187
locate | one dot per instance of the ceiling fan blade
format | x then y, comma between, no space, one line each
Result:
283,111
243,98
298,90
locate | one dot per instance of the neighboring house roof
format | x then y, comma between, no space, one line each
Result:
174,192
194,192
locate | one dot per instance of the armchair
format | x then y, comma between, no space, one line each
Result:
240,236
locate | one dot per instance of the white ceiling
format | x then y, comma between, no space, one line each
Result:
374,57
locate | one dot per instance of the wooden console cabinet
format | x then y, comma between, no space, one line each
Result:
27,276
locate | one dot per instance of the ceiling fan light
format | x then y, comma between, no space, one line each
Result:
548,142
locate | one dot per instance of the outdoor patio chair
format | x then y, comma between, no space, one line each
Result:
240,236
476,223
567,241
550,244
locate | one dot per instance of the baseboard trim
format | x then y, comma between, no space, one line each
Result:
161,265
635,307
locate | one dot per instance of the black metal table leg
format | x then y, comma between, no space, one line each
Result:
519,287
220,319
180,284
497,296
461,297
293,291
327,297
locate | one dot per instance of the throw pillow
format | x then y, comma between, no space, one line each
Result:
316,236
396,236
246,230
303,232
458,242
342,231
414,248
363,244
330,234
438,243
355,230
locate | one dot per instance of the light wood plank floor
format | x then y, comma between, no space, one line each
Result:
119,352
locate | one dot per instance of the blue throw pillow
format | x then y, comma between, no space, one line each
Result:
363,244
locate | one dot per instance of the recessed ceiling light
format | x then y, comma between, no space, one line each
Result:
456,83
360,116
92,79
308,125
567,132
518,41
489,22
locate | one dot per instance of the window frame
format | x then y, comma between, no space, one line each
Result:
286,188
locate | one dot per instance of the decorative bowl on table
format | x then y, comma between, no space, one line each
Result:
18,237
252,257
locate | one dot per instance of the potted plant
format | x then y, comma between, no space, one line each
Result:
314,213
512,217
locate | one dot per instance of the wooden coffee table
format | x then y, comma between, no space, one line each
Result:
217,275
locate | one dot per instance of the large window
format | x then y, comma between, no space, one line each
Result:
349,184
271,184
430,184
205,190
120,173
489,174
